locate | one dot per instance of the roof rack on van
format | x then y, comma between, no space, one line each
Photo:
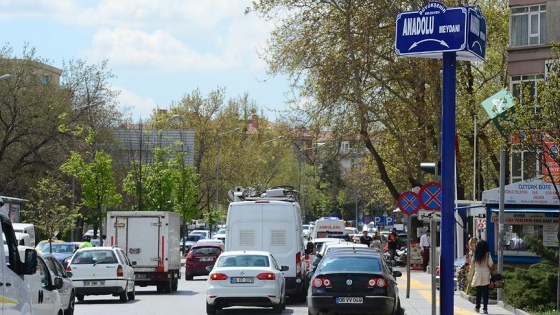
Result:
280,193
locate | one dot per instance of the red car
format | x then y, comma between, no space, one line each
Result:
202,255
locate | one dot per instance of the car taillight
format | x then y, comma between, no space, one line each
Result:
320,282
68,268
218,276
298,265
190,255
377,283
266,276
120,272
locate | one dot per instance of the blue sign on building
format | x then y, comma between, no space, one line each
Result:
436,29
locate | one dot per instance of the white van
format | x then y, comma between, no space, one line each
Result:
27,228
15,295
271,224
328,226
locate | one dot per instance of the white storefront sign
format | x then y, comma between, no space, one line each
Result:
527,192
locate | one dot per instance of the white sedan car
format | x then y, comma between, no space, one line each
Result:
246,278
102,271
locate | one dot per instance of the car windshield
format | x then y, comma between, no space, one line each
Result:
221,231
62,248
244,261
194,237
206,251
349,264
95,257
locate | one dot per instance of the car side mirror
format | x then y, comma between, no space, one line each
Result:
30,263
209,268
397,274
57,283
284,268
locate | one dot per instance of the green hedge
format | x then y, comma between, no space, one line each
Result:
532,289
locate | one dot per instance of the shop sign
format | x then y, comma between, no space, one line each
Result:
528,192
526,218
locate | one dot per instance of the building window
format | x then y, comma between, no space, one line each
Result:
524,165
528,25
345,147
524,88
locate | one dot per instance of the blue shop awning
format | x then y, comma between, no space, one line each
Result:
546,210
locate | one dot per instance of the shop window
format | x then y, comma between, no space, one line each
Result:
528,25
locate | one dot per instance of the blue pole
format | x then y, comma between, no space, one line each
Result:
447,183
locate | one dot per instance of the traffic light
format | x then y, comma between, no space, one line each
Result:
431,167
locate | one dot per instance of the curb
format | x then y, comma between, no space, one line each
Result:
505,306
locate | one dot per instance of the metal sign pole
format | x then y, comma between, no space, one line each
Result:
408,254
448,127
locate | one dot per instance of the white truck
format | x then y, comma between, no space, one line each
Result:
151,241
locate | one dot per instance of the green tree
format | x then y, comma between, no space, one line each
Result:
47,207
340,56
99,189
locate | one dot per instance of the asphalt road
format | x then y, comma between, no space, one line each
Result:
189,300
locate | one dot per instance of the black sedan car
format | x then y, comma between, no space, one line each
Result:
354,282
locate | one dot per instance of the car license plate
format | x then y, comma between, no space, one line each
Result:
206,259
242,280
349,300
140,276
92,283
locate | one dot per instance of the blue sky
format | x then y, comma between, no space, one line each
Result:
159,50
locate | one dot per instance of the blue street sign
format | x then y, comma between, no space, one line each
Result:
383,220
430,196
435,28
476,35
408,202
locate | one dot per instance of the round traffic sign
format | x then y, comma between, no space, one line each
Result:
408,202
430,196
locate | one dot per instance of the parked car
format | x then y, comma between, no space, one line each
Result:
44,245
246,278
221,235
102,271
348,282
188,241
202,255
67,292
60,250
204,233
44,286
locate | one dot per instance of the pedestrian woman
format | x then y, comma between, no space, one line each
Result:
482,264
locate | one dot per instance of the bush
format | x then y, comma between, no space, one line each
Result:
532,290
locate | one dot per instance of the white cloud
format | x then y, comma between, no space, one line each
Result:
136,106
158,50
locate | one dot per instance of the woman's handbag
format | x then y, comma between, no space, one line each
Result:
496,280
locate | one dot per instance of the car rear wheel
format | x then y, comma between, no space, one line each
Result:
132,295
123,297
277,309
210,309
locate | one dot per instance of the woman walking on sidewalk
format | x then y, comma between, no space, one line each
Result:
482,263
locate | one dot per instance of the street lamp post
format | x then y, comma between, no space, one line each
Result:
218,168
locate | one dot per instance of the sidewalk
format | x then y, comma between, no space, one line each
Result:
420,299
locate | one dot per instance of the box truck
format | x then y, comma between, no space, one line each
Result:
151,241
